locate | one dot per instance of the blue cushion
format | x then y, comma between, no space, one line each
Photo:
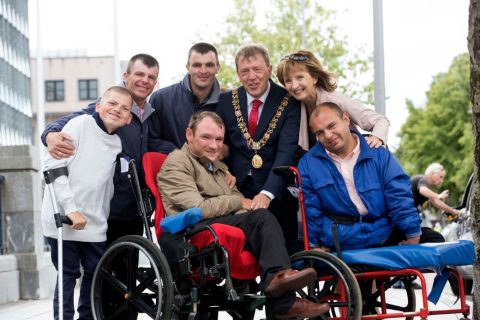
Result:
434,256
181,220
421,256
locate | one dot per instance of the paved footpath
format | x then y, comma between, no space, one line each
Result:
42,309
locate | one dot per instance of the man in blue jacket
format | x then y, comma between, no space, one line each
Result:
363,190
198,91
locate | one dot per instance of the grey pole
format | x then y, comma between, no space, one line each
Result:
40,86
378,60
116,60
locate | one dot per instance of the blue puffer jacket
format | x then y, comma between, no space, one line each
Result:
382,185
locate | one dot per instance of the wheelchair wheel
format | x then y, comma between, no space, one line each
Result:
132,277
336,284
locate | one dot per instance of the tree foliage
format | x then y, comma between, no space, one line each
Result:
280,30
442,130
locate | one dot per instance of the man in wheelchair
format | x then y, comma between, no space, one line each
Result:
194,177
356,197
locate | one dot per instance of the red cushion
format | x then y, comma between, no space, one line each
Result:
243,265
152,162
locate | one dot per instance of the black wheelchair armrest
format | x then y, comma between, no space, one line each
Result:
191,232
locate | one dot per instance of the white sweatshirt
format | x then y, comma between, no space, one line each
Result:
89,186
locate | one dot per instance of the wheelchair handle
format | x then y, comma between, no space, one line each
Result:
281,169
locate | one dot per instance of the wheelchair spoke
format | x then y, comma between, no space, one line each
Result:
113,281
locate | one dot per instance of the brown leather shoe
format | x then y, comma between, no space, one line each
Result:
289,279
303,308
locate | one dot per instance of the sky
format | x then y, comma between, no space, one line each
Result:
421,38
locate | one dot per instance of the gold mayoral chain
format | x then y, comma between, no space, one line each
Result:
257,161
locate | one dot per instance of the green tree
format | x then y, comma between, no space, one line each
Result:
280,30
442,130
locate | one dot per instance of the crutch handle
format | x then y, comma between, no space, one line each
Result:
62,219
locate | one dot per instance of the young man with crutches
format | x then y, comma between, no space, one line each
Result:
81,188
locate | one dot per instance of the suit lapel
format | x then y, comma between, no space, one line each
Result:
268,112
242,98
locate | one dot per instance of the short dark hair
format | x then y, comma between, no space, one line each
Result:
330,105
202,48
197,117
147,59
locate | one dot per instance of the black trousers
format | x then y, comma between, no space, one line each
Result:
265,240
428,235
284,209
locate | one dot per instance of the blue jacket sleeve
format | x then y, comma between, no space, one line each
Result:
398,197
57,125
313,208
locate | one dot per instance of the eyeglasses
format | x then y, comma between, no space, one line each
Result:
296,57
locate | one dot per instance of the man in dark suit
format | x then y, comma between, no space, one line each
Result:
262,123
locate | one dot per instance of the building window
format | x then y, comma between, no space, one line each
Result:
54,90
87,89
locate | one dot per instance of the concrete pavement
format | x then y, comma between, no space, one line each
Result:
42,309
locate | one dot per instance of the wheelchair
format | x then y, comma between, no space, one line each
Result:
204,272
377,269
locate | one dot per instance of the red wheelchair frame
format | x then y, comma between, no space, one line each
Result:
383,280
201,282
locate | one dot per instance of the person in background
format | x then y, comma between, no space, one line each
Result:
423,194
305,79
261,123
90,172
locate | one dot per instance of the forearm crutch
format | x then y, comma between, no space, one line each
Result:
50,176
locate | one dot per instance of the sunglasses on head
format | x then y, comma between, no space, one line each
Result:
296,57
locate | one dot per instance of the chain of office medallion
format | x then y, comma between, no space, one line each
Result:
243,127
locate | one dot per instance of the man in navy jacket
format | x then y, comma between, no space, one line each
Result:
198,91
275,119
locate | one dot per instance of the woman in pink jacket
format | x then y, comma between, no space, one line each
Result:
305,79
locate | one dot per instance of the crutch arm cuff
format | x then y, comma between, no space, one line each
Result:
52,174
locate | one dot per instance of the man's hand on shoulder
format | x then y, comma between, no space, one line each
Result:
60,145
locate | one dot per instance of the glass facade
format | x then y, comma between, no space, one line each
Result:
15,85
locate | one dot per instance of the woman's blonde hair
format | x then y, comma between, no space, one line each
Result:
306,60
